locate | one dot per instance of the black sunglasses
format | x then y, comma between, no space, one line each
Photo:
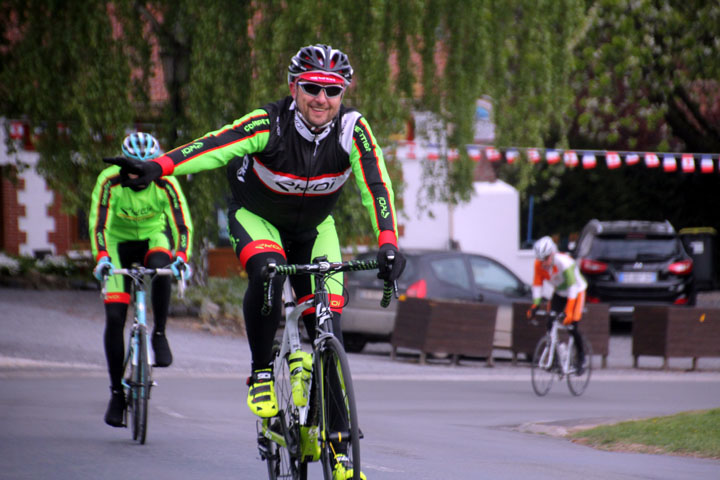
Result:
313,89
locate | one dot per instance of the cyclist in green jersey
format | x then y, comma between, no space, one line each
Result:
286,164
148,224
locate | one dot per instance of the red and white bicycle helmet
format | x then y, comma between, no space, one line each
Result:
320,64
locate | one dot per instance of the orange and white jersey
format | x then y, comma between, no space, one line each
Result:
563,274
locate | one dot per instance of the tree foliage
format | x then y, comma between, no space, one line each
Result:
645,79
560,73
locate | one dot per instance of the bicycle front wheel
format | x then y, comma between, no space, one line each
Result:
579,377
339,431
140,388
284,461
542,370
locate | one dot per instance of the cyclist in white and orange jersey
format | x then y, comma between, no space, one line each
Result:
560,272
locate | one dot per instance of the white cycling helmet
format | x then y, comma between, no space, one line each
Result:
544,248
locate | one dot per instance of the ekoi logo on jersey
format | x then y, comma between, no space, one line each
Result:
384,210
191,148
287,184
263,247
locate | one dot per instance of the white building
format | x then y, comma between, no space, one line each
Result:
489,224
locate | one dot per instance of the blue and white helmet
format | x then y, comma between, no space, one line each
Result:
141,146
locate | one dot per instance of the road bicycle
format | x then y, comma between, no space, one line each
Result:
554,358
137,377
328,422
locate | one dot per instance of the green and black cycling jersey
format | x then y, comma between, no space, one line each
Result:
120,214
281,171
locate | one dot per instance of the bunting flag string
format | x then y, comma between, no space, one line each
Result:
684,162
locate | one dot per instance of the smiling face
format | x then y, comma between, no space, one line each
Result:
316,110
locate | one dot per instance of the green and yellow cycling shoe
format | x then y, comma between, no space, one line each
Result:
300,364
343,469
261,395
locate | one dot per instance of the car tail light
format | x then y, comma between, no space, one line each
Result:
592,266
590,299
681,301
683,267
417,289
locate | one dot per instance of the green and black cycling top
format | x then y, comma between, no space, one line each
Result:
292,177
126,215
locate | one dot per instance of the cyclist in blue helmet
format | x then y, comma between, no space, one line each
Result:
130,225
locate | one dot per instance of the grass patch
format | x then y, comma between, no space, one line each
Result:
695,433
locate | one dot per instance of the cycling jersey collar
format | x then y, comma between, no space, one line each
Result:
311,135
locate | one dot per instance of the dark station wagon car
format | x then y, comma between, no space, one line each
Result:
632,262
428,274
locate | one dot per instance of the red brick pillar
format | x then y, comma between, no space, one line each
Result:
12,237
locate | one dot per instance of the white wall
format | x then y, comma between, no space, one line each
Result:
36,197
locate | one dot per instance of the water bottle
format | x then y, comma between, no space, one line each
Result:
562,350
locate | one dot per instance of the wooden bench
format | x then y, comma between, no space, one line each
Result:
445,326
675,331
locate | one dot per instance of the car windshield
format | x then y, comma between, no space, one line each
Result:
451,270
634,249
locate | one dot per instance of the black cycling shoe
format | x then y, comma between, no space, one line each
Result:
163,355
115,414
580,367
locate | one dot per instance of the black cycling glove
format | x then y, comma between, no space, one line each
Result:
146,171
390,271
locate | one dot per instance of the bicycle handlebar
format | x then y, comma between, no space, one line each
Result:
325,268
137,272
552,314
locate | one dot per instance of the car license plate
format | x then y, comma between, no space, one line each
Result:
638,277
369,294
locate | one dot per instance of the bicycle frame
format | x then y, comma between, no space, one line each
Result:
139,321
283,429
548,357
291,339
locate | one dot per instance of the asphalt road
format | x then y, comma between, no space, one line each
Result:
434,421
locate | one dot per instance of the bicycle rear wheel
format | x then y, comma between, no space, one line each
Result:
339,431
542,374
140,388
284,462
577,383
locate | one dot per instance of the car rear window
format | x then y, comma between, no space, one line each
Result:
634,247
451,270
